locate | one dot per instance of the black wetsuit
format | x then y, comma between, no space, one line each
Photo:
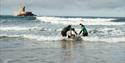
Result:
64,31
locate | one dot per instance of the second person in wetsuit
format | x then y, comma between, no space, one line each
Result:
83,30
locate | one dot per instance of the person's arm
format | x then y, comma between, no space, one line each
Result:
80,32
76,33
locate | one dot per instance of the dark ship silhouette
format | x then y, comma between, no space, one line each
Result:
22,12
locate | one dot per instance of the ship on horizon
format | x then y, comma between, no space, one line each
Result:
22,12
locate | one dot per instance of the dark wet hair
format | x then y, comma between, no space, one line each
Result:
69,26
81,24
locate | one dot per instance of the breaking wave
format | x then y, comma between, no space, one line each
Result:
76,21
32,37
58,38
48,28
17,28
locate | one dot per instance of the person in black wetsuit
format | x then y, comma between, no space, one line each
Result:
65,30
83,29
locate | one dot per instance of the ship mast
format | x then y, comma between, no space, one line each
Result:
22,7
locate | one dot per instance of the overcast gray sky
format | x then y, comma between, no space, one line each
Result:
67,7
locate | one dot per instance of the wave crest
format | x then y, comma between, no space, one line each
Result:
76,21
58,38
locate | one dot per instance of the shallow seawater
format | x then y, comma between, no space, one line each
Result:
38,40
27,51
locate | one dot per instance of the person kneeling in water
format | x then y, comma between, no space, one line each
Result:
65,30
85,33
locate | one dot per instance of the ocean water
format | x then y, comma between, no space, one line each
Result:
38,40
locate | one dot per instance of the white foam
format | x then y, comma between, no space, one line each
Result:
35,37
17,28
14,28
42,38
93,39
111,31
76,21
56,38
110,39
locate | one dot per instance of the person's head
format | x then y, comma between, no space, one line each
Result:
69,26
81,24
